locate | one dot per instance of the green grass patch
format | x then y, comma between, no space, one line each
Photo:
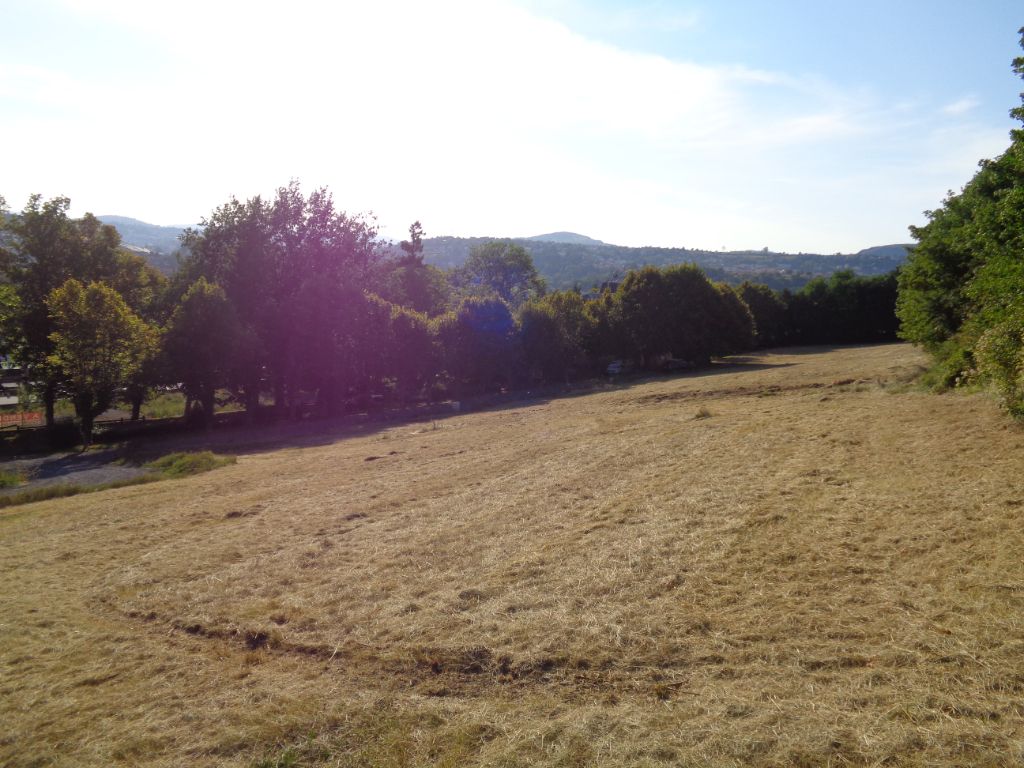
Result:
166,405
61,490
187,464
10,479
171,466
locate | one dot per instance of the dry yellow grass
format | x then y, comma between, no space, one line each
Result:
795,561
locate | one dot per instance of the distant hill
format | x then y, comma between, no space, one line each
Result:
156,243
887,251
564,237
139,233
586,264
568,259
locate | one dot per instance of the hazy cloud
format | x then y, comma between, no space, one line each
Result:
475,117
961,106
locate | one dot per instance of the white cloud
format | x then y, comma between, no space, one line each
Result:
476,117
960,106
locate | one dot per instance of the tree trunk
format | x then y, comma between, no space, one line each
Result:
85,420
252,402
84,412
207,403
279,397
136,400
49,398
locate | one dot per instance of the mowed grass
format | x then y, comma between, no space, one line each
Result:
797,560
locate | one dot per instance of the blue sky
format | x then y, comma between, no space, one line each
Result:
800,126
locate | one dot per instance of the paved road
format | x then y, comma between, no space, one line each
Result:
73,468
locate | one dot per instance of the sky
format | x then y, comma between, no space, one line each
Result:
789,124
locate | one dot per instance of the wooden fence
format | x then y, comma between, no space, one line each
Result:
21,419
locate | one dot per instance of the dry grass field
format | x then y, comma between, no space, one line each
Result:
799,559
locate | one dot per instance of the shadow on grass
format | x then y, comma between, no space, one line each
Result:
62,490
170,467
238,438
313,432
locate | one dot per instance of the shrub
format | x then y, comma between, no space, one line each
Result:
10,479
999,356
186,464
59,491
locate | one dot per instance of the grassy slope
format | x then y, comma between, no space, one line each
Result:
824,570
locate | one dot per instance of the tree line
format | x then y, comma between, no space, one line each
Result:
961,293
289,306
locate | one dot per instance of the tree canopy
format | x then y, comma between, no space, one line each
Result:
503,268
961,294
98,344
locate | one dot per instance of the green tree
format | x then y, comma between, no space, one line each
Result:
769,313
554,331
98,344
478,340
732,320
961,293
272,258
41,248
412,357
645,313
699,320
504,269
145,290
204,344
409,282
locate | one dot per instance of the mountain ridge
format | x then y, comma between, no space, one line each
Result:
568,259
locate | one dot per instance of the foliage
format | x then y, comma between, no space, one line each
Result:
478,343
282,263
503,269
184,464
733,320
204,343
584,265
844,309
768,311
645,313
291,298
999,353
553,332
412,356
10,479
98,343
961,294
41,249
678,312
164,405
173,466
63,490
421,287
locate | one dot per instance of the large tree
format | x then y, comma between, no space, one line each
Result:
145,289
40,249
478,340
503,269
409,282
554,330
204,345
769,313
272,258
961,293
98,345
